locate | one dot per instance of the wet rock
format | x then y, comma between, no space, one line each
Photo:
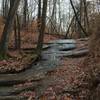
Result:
62,41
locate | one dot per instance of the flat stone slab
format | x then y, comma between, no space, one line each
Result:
69,53
65,47
64,41
46,46
60,47
13,98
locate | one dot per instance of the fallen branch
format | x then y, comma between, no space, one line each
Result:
12,98
74,53
10,91
13,79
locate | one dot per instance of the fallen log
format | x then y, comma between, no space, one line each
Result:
79,53
11,91
83,39
72,53
13,79
13,98
45,46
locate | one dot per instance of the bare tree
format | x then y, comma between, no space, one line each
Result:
77,19
7,29
42,28
25,12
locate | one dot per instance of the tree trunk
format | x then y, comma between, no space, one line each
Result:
42,29
77,19
25,13
7,29
39,14
17,33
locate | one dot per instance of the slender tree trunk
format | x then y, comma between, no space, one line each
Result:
17,33
42,29
39,9
5,8
66,36
11,3
25,13
39,14
86,15
85,33
53,17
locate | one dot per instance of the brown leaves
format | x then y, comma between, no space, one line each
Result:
29,94
16,63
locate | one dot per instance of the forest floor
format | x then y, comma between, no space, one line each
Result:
61,83
54,80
